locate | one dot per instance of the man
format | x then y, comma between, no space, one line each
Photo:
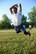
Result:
16,12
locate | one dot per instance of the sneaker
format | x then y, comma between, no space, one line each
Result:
27,33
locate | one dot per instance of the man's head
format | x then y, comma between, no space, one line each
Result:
14,10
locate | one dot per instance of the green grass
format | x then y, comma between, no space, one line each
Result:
12,43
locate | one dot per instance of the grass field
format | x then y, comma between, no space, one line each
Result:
12,43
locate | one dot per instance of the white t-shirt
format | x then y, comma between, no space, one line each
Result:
16,18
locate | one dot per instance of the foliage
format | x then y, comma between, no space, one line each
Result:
32,16
5,22
23,19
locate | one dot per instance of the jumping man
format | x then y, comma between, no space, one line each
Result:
16,12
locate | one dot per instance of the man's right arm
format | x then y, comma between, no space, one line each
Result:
13,7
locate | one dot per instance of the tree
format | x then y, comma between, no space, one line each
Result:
5,22
32,15
23,19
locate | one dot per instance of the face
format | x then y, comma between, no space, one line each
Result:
14,10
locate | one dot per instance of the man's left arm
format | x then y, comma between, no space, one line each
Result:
19,7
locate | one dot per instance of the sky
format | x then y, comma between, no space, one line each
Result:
6,4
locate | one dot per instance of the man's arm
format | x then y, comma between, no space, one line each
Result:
19,8
13,7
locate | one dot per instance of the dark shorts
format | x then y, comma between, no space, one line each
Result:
20,28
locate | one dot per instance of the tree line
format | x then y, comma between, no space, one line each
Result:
5,23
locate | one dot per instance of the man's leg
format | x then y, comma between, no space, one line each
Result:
17,29
24,30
